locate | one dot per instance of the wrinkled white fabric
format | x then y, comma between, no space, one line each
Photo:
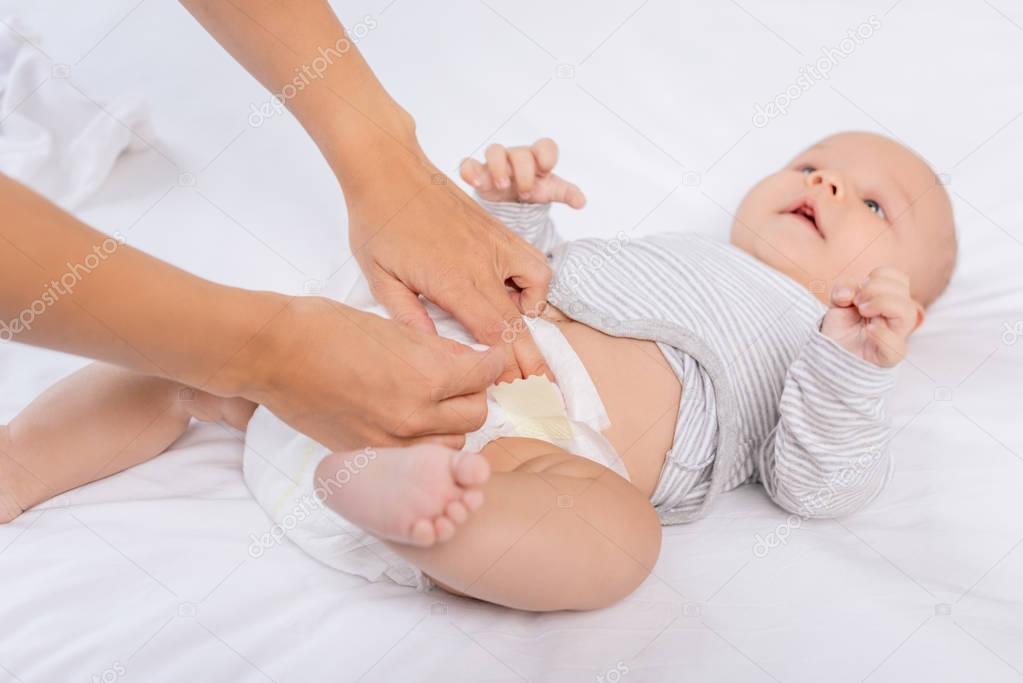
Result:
54,138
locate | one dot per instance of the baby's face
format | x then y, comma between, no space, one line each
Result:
851,203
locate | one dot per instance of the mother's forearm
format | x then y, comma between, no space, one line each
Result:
302,54
69,287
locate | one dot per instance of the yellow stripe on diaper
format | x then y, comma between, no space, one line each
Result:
535,407
307,458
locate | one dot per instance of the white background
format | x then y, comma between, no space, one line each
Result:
149,570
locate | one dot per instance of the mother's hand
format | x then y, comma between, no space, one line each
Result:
420,234
412,231
350,379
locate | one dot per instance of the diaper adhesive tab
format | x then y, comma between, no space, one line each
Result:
535,406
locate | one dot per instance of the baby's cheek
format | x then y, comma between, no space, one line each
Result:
865,248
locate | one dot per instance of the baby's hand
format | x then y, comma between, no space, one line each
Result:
874,320
521,174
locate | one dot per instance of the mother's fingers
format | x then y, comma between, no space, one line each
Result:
533,278
402,303
491,317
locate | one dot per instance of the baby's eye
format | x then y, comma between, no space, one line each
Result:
875,207
807,170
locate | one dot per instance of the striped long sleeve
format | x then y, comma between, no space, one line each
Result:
532,222
828,455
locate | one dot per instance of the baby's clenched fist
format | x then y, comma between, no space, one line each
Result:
874,320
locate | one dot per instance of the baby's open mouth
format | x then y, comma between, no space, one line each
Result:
805,212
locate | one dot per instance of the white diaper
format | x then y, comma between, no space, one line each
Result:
279,463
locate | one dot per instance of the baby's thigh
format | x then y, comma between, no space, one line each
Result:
556,531
522,454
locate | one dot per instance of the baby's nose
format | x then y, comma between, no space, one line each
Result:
830,180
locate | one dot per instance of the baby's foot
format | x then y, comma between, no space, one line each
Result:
415,495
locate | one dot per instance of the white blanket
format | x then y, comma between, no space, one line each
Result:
52,136
148,572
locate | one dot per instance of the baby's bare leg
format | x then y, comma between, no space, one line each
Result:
94,423
556,531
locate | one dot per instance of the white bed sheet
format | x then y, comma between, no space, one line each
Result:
147,575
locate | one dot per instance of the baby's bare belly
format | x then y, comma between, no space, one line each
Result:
640,392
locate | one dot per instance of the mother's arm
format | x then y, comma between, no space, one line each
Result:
325,368
412,231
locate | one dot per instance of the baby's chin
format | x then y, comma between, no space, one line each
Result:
790,258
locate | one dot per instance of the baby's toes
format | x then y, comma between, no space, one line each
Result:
423,533
470,469
444,528
456,512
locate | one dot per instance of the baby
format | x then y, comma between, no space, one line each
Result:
687,367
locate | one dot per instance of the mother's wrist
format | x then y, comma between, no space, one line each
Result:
378,154
250,329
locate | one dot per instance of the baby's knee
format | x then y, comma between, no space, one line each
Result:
627,560
207,407
612,540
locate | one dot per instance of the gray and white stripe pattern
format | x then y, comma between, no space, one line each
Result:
766,397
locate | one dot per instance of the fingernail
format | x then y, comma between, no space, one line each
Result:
476,182
524,195
503,183
843,293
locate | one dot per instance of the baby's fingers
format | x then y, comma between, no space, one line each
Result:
523,168
842,295
545,151
898,311
497,164
476,174
890,346
568,193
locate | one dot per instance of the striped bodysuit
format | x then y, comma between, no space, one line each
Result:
766,398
